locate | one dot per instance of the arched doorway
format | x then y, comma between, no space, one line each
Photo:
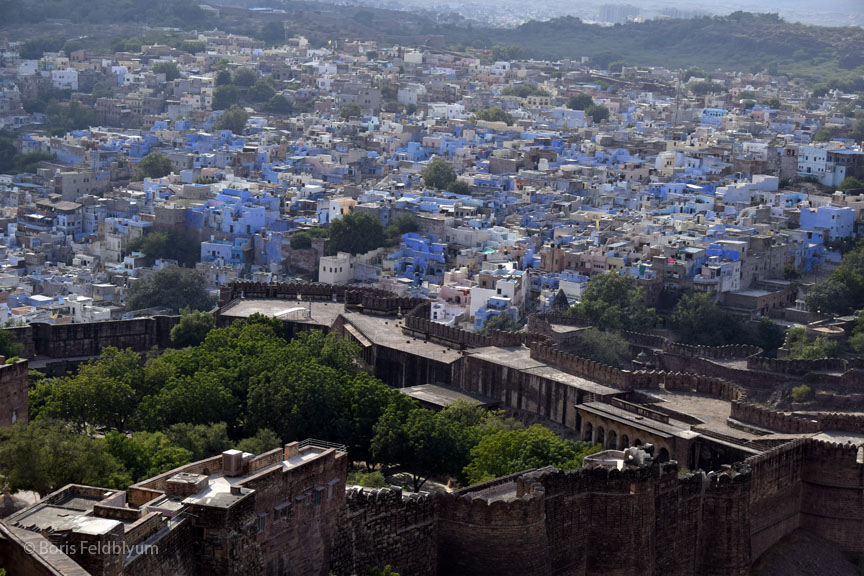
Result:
637,442
663,455
601,436
612,440
587,432
625,442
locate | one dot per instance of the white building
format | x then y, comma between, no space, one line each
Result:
65,79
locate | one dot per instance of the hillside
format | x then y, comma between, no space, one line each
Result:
740,42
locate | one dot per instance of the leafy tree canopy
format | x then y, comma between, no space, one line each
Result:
511,451
174,288
494,114
154,165
438,174
350,110
171,244
580,102
597,113
245,77
170,69
356,233
233,119
615,302
192,328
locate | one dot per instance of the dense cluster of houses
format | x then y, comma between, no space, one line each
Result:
713,192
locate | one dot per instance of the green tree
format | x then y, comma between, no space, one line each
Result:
102,393
273,33
192,328
706,87
146,454
580,102
850,183
262,91
245,77
831,296
233,119
302,240
34,48
438,174
494,114
45,455
71,46
170,69
790,272
422,441
263,441
801,393
597,113
615,302
699,320
181,246
523,90
500,323
279,105
9,348
857,132
373,479
356,233
512,451
172,288
603,346
223,78
401,224
824,134
350,110
225,97
63,118
154,165
460,187
200,440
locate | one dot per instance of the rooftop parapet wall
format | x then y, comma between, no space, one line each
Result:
832,505
478,535
794,424
89,339
368,298
385,526
601,373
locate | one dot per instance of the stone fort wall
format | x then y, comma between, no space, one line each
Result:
381,527
13,393
636,522
85,340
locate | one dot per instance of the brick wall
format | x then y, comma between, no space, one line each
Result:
479,537
832,504
13,393
71,340
775,494
795,424
381,527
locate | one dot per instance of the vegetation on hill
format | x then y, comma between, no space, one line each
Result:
356,233
843,291
173,288
614,302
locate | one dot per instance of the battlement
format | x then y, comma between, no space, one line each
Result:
795,424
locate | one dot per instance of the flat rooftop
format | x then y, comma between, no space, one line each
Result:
321,313
444,396
387,332
519,358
